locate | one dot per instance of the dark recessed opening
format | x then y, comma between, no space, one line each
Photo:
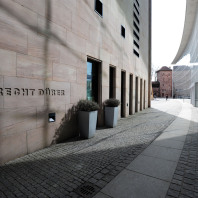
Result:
136,8
122,31
136,26
136,44
137,3
123,93
99,7
136,35
112,82
136,18
52,117
136,53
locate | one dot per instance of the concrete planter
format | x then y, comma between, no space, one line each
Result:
111,116
87,123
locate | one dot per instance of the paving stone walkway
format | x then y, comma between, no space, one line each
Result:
59,170
185,179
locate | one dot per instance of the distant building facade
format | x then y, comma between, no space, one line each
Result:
163,85
54,53
181,81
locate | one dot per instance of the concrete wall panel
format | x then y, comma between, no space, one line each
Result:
13,39
33,67
12,146
8,62
63,72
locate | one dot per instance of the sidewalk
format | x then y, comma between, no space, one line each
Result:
151,173
126,161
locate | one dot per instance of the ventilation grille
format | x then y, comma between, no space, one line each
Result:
87,190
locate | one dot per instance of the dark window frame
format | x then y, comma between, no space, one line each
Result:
100,14
96,80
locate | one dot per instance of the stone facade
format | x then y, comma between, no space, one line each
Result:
44,49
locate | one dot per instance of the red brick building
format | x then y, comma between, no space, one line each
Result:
164,83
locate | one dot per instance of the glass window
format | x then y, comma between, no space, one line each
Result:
93,69
89,81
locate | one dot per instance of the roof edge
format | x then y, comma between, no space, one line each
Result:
191,8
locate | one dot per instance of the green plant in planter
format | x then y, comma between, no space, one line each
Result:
112,102
87,105
111,112
87,118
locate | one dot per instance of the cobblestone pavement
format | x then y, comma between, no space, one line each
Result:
59,170
185,180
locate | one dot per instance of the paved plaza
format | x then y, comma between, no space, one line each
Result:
153,153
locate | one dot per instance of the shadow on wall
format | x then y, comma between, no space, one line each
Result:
68,126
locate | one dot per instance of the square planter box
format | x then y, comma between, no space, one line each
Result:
87,123
111,116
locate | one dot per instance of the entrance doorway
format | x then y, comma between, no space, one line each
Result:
130,94
123,93
140,94
144,94
93,81
94,86
112,82
136,94
196,94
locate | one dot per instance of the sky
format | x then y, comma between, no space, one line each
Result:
167,28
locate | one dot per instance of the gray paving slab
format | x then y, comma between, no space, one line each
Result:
168,143
129,184
176,136
162,152
155,167
181,130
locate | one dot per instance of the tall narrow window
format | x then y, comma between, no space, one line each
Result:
141,95
123,31
112,82
136,53
136,94
99,7
93,81
123,93
136,44
130,94
144,94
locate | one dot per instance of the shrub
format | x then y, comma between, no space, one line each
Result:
112,102
87,105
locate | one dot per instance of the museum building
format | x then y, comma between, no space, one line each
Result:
55,52
187,55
